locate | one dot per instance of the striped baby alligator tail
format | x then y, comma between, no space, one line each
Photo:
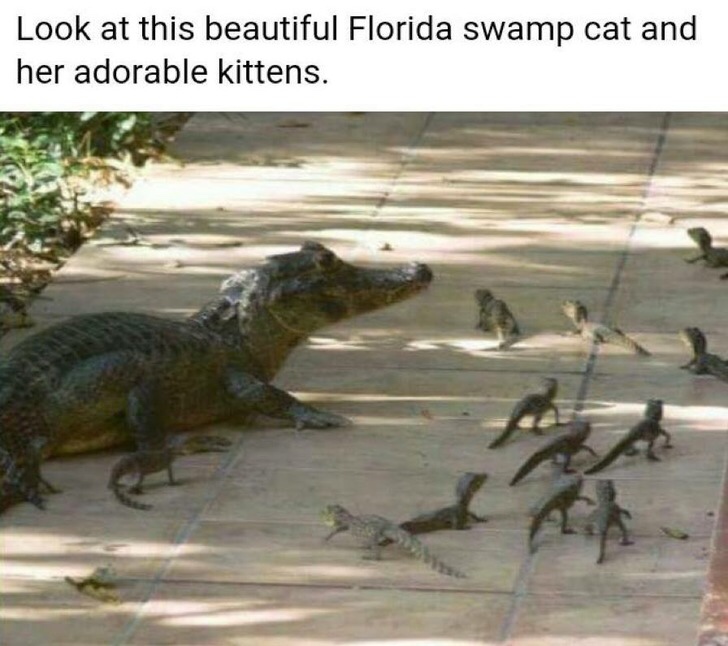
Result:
539,516
420,551
511,426
620,338
613,454
124,499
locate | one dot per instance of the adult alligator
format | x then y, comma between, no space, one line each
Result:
98,380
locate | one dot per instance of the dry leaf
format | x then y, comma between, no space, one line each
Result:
675,533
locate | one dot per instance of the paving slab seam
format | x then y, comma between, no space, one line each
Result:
520,593
512,371
331,586
186,529
621,263
407,155
414,472
528,566
550,594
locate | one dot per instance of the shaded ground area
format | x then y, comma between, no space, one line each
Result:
536,207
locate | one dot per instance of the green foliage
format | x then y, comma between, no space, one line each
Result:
48,163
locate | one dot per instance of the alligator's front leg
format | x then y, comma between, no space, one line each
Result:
254,395
695,258
689,365
374,549
535,428
37,446
334,532
625,534
556,413
565,529
20,483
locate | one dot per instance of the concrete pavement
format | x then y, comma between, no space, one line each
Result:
536,207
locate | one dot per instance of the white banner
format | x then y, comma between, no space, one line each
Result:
374,55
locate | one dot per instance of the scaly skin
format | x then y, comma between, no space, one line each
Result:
703,362
535,405
646,430
456,516
375,529
597,332
607,514
495,316
713,257
99,380
565,445
564,492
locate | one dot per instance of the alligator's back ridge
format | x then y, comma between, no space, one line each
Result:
61,347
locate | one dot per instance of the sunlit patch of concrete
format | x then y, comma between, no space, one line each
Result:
212,614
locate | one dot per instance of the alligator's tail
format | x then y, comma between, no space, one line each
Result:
124,499
617,337
540,514
420,551
718,368
529,465
602,545
613,454
511,426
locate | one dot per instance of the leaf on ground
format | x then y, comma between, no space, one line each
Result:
99,585
675,533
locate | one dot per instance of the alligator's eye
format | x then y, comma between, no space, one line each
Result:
325,259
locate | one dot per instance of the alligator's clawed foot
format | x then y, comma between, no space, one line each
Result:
205,444
35,499
48,487
13,493
22,483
